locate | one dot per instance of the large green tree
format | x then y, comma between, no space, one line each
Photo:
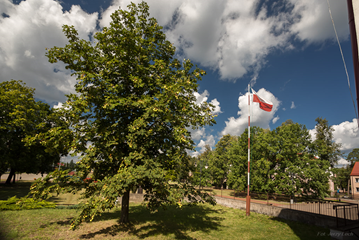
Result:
282,162
22,116
297,171
129,117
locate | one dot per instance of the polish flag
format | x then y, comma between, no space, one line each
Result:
263,104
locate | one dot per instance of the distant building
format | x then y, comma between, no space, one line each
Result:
354,180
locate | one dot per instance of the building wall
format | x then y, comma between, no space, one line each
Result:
354,186
331,185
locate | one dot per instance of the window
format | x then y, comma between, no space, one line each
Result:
357,180
357,189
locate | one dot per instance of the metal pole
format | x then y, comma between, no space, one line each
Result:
345,220
248,199
354,42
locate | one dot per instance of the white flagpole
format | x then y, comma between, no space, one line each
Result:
248,199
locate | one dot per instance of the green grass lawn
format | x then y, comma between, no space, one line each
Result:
19,189
198,222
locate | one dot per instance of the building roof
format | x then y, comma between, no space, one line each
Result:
355,171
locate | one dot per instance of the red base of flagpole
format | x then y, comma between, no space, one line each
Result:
248,205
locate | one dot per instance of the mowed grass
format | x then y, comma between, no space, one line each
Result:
198,222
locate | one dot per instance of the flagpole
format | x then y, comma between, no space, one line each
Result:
248,199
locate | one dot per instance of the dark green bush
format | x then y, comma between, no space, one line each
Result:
15,203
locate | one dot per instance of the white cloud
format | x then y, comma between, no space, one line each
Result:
292,106
156,10
217,108
235,36
58,105
342,162
274,120
227,35
312,133
313,23
32,26
236,126
198,133
347,134
209,141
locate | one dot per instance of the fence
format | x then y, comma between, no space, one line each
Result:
346,213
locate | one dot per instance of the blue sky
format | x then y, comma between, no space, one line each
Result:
286,49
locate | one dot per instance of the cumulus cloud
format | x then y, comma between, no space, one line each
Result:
342,162
260,118
274,120
313,23
235,36
209,141
198,133
312,133
347,134
292,106
28,29
58,105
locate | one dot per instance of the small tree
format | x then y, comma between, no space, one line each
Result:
341,177
237,154
324,146
219,163
353,157
130,116
202,174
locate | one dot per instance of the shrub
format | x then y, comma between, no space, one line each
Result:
15,203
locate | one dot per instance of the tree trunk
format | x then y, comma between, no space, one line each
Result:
11,175
125,208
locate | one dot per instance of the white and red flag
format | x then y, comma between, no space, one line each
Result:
263,104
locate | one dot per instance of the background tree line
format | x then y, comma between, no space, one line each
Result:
283,161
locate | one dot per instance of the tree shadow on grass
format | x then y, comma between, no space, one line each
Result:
19,189
305,231
172,221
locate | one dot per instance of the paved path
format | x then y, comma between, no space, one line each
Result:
23,176
324,208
